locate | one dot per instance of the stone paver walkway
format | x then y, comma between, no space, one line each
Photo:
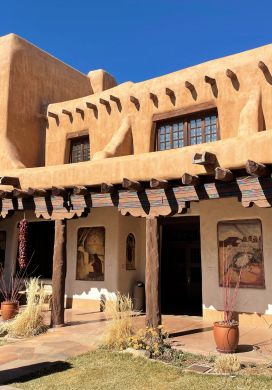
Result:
84,330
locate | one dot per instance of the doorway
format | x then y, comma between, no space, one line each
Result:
181,276
40,249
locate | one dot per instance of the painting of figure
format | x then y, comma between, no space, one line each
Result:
241,253
90,254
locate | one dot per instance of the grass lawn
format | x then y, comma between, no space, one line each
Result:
101,370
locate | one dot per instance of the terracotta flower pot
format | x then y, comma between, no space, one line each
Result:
9,310
226,337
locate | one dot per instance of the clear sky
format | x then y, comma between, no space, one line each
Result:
138,39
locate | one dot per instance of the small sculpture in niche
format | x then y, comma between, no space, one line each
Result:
130,252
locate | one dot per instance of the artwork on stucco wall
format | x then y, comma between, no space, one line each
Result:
2,248
130,252
241,253
90,254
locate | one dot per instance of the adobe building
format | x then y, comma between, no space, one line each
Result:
166,181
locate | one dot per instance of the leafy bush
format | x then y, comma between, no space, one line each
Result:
30,321
227,364
149,339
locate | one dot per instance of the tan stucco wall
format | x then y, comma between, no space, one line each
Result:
30,78
240,110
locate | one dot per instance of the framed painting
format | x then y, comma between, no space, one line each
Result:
130,252
240,254
90,254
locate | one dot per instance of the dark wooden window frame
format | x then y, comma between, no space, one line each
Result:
82,137
185,117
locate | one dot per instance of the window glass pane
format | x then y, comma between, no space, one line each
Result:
199,140
180,126
167,137
207,120
193,141
162,146
213,119
208,138
181,143
162,138
193,123
162,130
175,136
167,129
167,145
198,122
80,150
175,127
176,144
199,132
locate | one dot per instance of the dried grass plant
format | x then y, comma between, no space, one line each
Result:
30,322
120,327
227,364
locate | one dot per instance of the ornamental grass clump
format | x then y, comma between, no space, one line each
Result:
120,328
227,364
30,322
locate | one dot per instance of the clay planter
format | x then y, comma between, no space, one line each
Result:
226,336
9,310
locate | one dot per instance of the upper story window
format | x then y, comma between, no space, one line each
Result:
79,149
187,130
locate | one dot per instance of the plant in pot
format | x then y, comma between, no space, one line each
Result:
10,285
226,332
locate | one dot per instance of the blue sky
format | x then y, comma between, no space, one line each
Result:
138,40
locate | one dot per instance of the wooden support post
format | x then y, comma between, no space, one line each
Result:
223,174
107,188
152,274
190,180
80,190
159,183
131,185
256,169
59,274
205,158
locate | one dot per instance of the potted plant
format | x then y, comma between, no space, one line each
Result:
11,285
226,332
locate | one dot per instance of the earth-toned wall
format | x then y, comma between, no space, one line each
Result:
30,79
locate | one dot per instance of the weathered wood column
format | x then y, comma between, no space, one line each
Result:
59,274
152,274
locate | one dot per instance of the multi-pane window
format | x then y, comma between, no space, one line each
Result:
189,130
80,149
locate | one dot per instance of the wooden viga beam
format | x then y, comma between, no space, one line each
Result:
80,190
17,193
231,75
256,169
263,67
159,183
5,194
58,191
131,185
37,192
205,158
107,188
223,174
9,181
190,180
210,80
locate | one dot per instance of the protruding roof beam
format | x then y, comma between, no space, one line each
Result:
5,194
131,185
263,67
159,183
17,193
205,158
104,102
190,180
135,101
223,174
115,99
58,191
80,111
256,169
53,115
189,86
80,190
210,80
37,192
9,181
154,98
231,75
93,107
107,188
